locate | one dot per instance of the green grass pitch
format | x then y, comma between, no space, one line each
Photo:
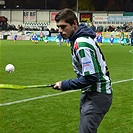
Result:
51,111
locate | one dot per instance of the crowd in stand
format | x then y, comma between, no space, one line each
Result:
127,27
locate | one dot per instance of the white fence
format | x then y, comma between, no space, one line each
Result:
21,17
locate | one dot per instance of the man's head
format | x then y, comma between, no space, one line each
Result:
67,22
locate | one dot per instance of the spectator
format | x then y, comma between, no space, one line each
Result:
111,40
131,37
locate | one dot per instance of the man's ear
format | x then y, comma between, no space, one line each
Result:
75,22
75,25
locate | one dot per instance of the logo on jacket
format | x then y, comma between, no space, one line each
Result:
86,63
76,46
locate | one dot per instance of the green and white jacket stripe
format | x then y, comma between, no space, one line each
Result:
88,59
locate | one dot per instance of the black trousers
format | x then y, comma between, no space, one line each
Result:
93,107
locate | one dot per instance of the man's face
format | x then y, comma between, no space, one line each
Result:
65,29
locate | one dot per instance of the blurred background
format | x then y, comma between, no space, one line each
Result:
91,5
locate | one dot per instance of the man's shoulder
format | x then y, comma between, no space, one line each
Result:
83,42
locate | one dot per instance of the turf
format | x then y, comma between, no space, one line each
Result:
47,63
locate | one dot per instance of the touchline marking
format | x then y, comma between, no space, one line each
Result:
121,81
35,98
52,95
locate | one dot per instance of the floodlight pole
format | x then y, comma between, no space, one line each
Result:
45,4
77,7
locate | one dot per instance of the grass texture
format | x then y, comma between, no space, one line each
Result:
44,110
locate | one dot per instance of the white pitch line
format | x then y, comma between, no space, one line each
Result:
52,95
121,81
35,98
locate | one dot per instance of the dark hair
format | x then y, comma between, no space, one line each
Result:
67,15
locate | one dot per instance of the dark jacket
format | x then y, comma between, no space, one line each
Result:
81,81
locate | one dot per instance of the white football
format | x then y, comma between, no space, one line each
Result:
9,68
45,40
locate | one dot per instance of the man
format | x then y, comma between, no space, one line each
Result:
122,38
59,39
111,40
127,40
132,37
91,69
68,42
35,38
15,38
41,36
46,39
99,39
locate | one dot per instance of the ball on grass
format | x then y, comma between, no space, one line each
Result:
9,68
46,41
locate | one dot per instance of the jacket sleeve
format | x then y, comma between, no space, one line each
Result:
80,82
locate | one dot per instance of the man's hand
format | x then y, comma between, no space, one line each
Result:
57,86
